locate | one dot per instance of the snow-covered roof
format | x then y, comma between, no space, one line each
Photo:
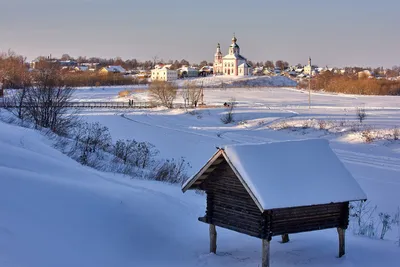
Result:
288,174
115,69
233,56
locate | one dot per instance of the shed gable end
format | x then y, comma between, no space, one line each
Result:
229,204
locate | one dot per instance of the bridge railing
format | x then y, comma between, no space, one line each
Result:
76,104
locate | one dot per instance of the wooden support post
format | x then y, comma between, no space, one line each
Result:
213,239
265,253
285,238
341,233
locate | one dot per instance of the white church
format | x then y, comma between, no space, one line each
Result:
232,64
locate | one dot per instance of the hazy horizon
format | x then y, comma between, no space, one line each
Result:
340,33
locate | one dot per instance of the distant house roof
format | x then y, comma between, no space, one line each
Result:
287,174
117,69
244,65
82,68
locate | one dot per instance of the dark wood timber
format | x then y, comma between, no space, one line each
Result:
229,205
341,233
265,253
213,239
285,238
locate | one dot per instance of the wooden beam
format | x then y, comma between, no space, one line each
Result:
265,253
341,233
213,239
285,238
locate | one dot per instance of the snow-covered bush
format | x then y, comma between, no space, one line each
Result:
322,124
90,139
387,221
368,135
396,220
363,213
137,154
172,171
396,133
227,117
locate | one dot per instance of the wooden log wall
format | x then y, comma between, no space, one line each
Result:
229,205
309,218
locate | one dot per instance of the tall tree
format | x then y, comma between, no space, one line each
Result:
269,64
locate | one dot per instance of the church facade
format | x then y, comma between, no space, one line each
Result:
233,63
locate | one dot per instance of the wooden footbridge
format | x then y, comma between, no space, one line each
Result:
91,105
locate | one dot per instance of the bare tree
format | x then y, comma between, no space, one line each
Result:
280,64
361,114
191,94
46,103
269,64
163,93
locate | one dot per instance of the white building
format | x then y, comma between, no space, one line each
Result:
232,64
164,74
308,69
187,71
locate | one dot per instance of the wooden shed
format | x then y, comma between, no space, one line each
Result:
267,190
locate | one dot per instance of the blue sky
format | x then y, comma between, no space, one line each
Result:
333,33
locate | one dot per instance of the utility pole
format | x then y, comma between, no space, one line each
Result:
309,93
202,94
309,84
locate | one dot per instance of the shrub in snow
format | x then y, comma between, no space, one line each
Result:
363,213
227,117
124,93
396,220
306,124
90,139
322,124
361,114
137,154
368,135
396,133
386,222
172,171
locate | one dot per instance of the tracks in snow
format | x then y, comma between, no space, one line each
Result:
363,159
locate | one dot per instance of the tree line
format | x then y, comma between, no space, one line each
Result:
352,84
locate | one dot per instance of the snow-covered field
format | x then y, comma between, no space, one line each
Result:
55,212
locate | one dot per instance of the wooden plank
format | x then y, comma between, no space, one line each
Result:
285,238
213,239
341,233
265,253
236,229
243,182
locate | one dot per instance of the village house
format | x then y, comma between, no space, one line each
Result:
233,63
112,69
164,74
186,71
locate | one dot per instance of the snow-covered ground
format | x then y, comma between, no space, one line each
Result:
110,93
55,212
